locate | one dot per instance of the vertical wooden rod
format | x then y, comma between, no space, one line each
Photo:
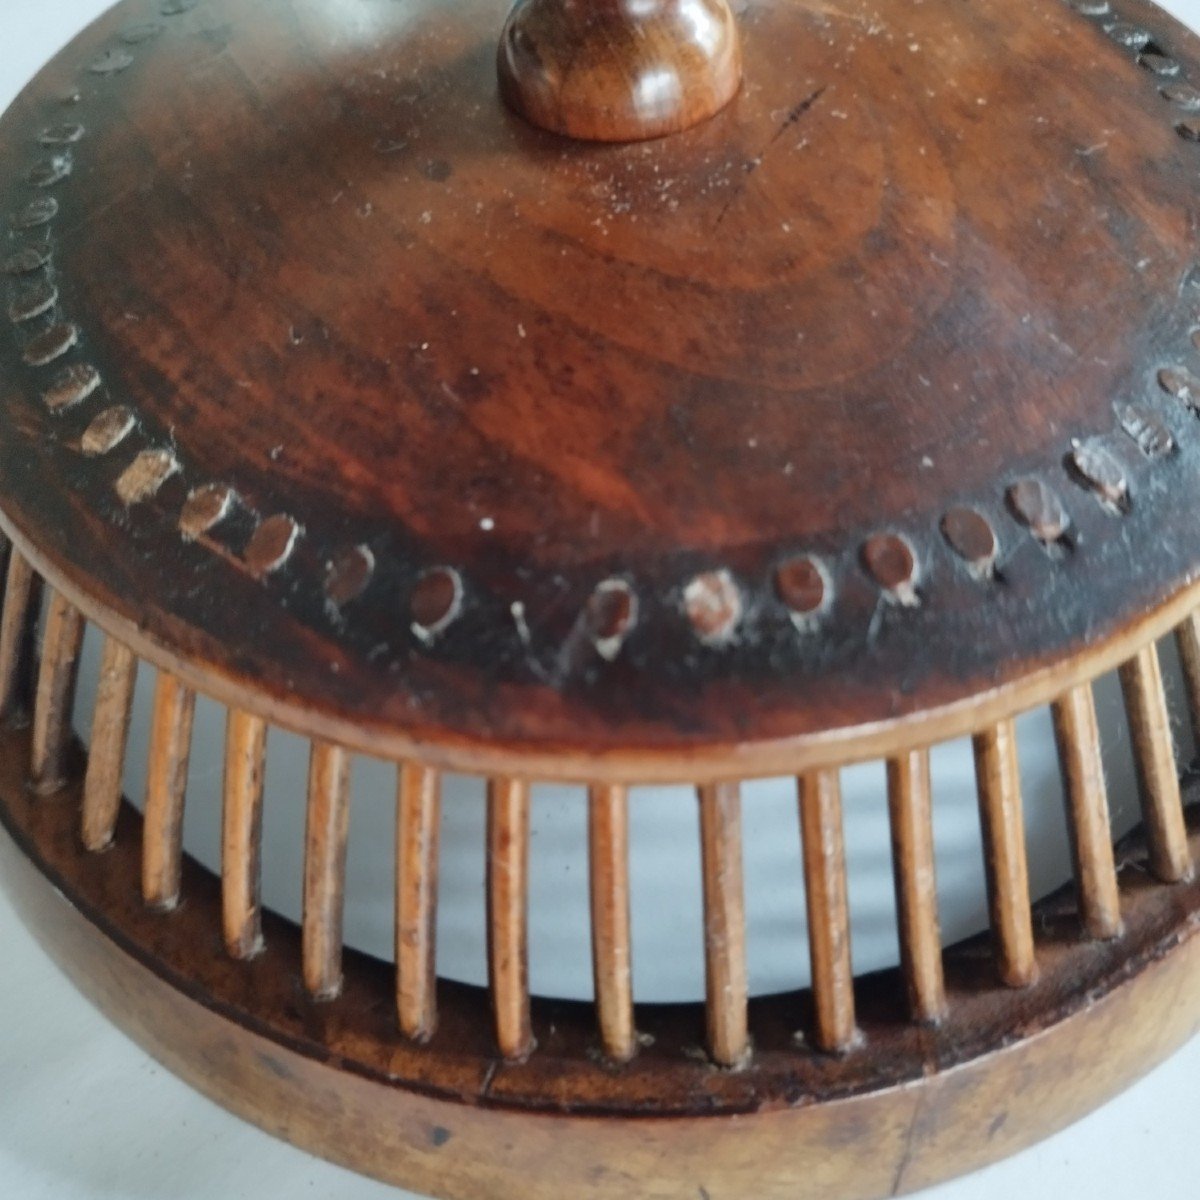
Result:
828,909
325,869
1078,738
999,784
55,701
241,833
1154,755
166,787
911,810
612,960
508,914
1187,639
22,600
724,923
418,818
102,785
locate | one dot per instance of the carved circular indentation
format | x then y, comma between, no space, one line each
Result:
27,260
50,171
61,135
891,562
971,536
1099,469
1125,34
144,477
110,62
1037,506
1180,383
39,211
272,544
33,301
611,614
1184,95
1158,63
206,507
436,601
803,585
107,430
71,386
1147,429
349,575
53,343
713,605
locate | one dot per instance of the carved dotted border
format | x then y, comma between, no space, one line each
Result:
713,603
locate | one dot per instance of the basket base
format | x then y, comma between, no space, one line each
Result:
451,1121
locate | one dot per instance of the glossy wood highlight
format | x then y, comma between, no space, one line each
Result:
327,828
612,952
508,915
241,833
166,789
726,984
1078,738
418,822
22,601
998,782
828,910
54,704
103,782
1154,756
910,810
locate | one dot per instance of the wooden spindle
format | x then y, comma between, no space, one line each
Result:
22,602
724,923
1078,738
999,784
166,788
102,785
612,959
911,811
828,909
1187,639
1154,755
325,869
55,701
508,914
241,833
418,818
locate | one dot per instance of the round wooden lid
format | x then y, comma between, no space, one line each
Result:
839,420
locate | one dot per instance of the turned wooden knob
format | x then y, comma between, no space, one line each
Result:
619,70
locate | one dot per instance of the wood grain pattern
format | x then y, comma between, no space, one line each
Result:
241,833
910,810
103,782
53,733
508,915
325,869
828,910
753,271
166,789
1078,739
726,984
612,951
22,602
998,781
1154,756
418,821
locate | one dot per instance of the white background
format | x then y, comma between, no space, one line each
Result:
85,1115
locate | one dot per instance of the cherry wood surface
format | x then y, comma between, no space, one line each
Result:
397,420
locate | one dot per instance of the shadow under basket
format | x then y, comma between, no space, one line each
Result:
854,417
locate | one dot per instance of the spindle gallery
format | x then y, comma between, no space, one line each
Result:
613,395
